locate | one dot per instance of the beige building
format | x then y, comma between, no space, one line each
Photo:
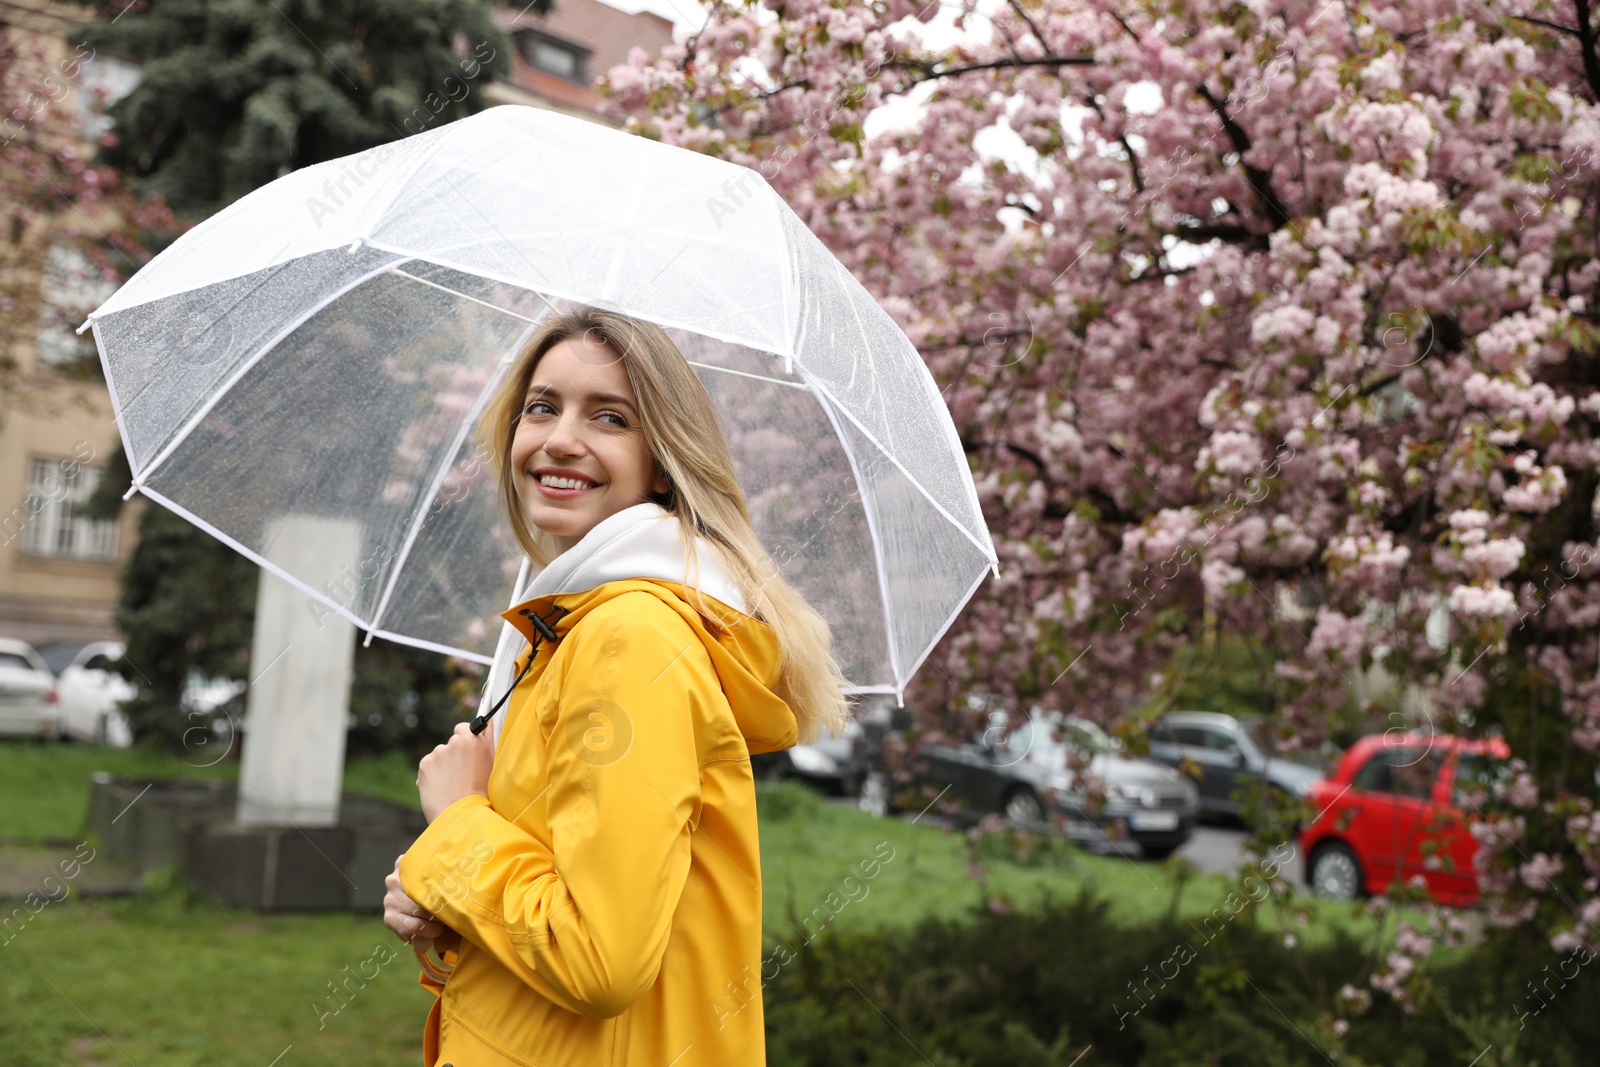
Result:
58,569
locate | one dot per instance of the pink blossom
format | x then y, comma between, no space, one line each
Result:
1282,429
1537,872
1482,602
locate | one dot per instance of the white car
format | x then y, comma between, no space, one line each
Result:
27,692
90,690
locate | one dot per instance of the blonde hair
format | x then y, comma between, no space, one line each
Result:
683,435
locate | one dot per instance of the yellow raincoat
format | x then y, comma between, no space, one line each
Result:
607,893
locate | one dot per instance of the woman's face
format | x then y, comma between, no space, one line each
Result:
580,423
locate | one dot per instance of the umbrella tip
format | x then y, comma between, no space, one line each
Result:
356,244
86,324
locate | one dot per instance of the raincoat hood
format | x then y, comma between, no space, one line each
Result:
642,548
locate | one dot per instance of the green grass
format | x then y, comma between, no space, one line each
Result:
159,979
44,786
154,981
809,846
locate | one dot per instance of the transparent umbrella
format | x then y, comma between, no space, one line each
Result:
321,350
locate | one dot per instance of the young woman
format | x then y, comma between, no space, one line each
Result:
590,873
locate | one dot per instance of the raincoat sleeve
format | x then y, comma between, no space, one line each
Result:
585,921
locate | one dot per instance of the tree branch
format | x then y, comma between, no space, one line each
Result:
929,70
1573,30
1591,62
1229,233
1260,180
1032,26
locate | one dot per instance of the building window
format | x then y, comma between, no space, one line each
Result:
71,287
554,56
54,525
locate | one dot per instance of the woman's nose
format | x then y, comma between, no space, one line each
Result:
565,437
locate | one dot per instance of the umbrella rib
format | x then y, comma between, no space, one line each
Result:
254,556
866,344
270,273
140,477
742,341
877,547
747,374
435,646
535,292
821,389
111,389
433,488
476,300
932,644
439,135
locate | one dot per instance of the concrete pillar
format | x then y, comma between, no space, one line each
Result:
297,708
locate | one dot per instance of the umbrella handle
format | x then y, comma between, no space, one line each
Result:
436,972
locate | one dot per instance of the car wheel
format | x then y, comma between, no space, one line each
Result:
1158,852
1336,873
1022,807
874,797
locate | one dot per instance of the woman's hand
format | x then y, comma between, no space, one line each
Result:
458,768
405,916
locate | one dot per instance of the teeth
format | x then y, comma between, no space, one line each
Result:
557,482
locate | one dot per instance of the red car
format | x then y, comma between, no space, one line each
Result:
1392,810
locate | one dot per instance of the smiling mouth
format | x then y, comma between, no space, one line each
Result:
560,481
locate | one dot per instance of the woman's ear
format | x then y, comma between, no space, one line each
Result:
661,485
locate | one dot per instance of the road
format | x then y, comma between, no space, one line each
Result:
1213,849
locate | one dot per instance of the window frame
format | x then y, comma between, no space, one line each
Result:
1388,756
528,40
92,540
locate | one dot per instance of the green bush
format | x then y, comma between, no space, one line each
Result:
1040,987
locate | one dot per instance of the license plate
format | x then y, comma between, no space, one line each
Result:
1154,820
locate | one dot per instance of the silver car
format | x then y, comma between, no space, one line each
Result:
1098,788
27,692
1231,755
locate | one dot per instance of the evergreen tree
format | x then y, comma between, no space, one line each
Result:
234,94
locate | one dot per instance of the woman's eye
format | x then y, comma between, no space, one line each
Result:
528,409
620,420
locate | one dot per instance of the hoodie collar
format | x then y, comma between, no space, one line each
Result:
642,541
640,549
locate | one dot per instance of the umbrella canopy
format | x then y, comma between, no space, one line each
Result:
321,350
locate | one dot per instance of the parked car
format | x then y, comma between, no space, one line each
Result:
90,690
1232,754
27,692
1397,806
832,762
837,763
1063,764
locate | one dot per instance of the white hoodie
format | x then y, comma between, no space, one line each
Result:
642,541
